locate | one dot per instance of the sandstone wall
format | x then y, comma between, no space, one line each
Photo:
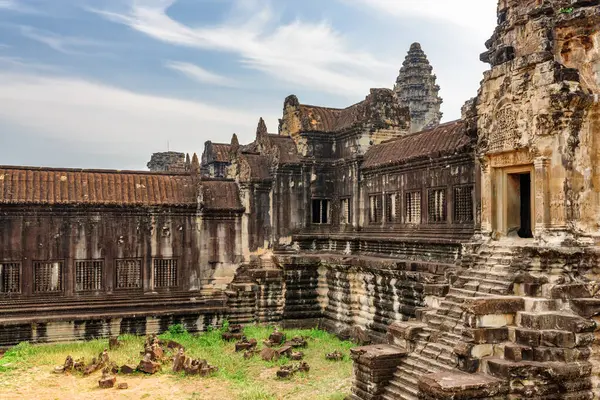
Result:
541,98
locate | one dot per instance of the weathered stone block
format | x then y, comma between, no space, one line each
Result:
460,386
527,337
500,305
486,335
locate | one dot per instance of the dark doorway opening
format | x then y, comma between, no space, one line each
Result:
525,192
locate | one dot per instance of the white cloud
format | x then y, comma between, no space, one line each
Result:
311,55
16,6
475,15
8,4
200,74
60,43
107,120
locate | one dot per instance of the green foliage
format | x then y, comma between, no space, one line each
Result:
566,10
251,379
176,329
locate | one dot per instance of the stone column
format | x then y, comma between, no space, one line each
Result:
486,198
541,195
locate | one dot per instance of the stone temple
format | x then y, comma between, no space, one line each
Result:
464,255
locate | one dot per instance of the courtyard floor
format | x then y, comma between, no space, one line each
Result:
26,371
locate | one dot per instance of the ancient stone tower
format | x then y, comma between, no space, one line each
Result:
417,89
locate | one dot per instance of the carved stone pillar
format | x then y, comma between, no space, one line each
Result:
486,197
542,195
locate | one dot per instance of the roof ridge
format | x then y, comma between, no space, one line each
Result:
423,131
92,170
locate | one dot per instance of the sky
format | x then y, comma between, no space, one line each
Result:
105,83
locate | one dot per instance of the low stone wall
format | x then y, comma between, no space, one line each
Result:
369,293
57,330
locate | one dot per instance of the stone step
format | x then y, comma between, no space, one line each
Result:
555,320
393,392
487,274
406,380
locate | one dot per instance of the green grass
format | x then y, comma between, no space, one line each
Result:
247,379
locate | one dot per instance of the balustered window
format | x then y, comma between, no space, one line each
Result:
436,209
375,208
88,275
10,277
463,204
413,208
165,273
47,276
390,207
398,208
128,274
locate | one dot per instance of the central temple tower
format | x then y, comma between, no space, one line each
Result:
416,88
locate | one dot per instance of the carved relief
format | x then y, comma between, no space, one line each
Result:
503,160
504,134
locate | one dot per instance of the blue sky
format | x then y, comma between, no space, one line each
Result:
104,83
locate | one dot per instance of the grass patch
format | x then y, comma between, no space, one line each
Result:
252,379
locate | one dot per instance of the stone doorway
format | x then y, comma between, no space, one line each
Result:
519,205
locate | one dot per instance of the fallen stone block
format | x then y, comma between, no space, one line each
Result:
179,361
127,369
107,382
285,372
335,356
245,344
297,342
148,366
285,351
296,356
269,354
69,364
277,337
302,367
122,386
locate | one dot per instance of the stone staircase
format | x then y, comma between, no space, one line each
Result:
433,339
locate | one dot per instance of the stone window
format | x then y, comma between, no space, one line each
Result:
129,274
398,207
436,207
165,273
390,207
344,211
463,204
413,208
375,208
320,211
47,276
10,277
88,275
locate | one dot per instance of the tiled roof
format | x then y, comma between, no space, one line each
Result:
259,166
324,119
446,139
288,152
221,152
30,185
220,195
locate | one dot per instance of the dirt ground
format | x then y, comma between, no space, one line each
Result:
40,384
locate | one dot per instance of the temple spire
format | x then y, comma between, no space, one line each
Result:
416,88
261,130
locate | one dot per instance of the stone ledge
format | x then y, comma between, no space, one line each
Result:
373,354
494,305
460,386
